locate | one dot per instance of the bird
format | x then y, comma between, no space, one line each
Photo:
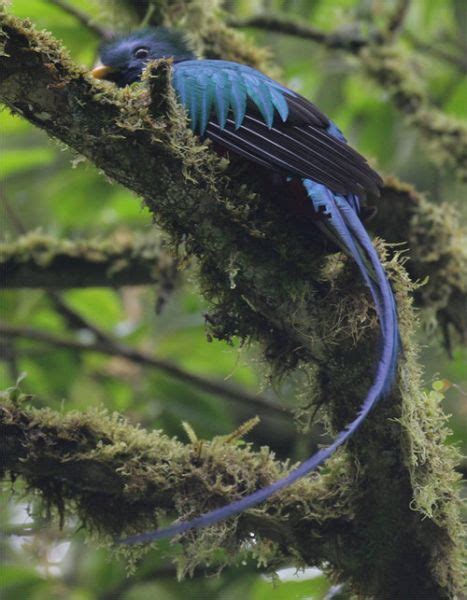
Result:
263,122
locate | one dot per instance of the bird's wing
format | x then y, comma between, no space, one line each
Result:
265,122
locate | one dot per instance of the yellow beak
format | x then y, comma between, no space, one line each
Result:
101,71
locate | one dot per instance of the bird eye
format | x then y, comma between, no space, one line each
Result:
141,52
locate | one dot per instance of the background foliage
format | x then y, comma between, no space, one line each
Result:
44,188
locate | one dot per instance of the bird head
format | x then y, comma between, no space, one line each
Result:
123,59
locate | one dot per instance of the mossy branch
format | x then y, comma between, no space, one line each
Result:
445,135
121,479
36,260
435,244
269,278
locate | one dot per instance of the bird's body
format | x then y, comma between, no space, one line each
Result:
260,120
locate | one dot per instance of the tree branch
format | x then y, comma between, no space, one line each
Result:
111,347
446,136
36,260
343,39
397,18
348,37
435,243
75,320
269,278
118,478
455,58
434,237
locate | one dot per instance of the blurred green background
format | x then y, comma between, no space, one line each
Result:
43,189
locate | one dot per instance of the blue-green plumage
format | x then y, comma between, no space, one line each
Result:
226,87
264,122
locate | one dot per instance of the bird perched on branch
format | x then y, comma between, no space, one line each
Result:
260,120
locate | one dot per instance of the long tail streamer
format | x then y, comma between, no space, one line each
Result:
344,224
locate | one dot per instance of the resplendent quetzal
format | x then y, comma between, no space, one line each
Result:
252,116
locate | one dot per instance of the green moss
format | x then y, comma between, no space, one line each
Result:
431,462
435,244
38,260
119,479
41,42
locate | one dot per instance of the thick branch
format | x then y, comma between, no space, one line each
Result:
40,261
436,246
119,477
113,348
